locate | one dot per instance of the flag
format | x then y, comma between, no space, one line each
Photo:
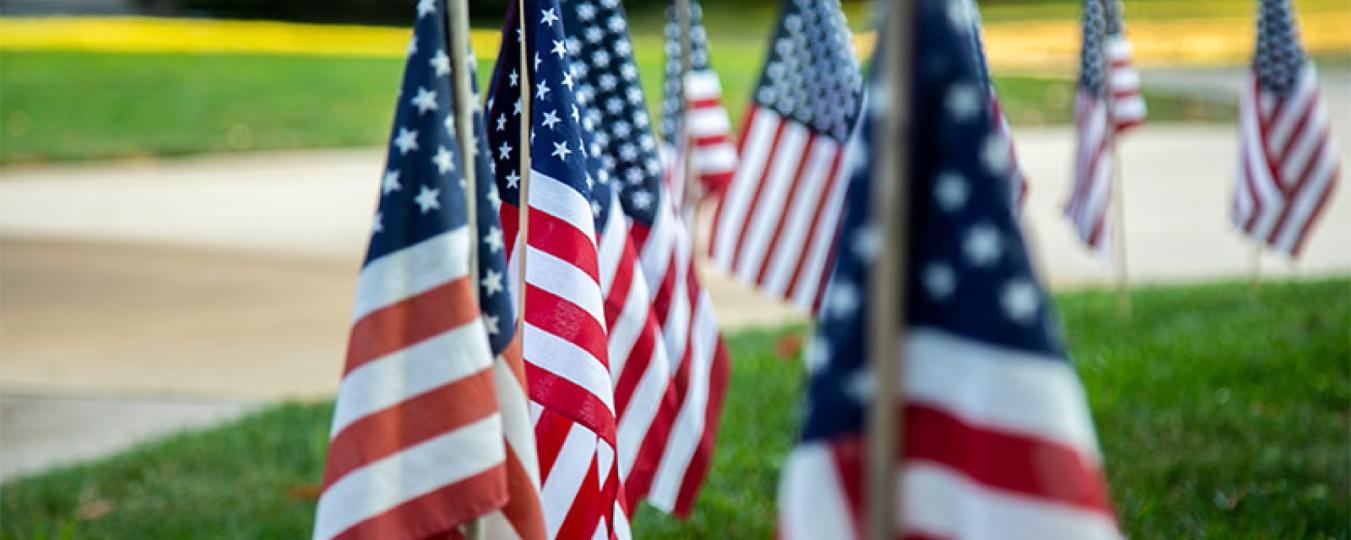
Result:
998,441
416,447
521,517
1288,166
695,98
776,224
1017,181
1107,102
563,326
684,314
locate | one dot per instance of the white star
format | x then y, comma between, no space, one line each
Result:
537,61
513,180
817,356
541,90
391,181
561,151
426,7
867,243
559,49
379,223
641,199
843,298
512,78
504,151
549,17
516,108
406,140
982,245
440,62
425,100
586,12
1020,300
501,122
494,198
860,386
995,154
551,118
450,125
427,199
491,282
951,191
939,280
490,321
412,45
568,82
493,239
963,101
443,161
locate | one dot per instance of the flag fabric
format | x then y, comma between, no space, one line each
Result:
1017,180
522,516
1107,102
1288,166
645,402
416,446
696,99
563,327
628,156
998,441
776,224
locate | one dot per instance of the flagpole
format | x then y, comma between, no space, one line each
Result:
1256,267
1123,293
522,235
687,180
890,213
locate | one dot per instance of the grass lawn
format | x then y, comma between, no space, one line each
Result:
1222,413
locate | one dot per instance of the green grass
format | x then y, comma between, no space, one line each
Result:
1222,413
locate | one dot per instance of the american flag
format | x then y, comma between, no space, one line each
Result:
564,332
695,98
1288,166
998,441
776,225
966,10
416,446
1108,102
698,363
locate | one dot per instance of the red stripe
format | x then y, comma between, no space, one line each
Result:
1245,161
435,512
825,270
699,463
510,217
755,199
1317,212
716,182
848,454
551,430
560,395
740,150
586,510
565,241
1247,156
412,421
796,281
664,295
706,103
397,326
711,140
523,508
1298,187
1296,132
1033,466
637,364
644,470
786,208
562,318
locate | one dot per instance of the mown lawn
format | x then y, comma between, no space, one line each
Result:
1223,413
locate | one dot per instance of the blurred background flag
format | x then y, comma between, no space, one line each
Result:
695,98
964,100
645,401
564,333
776,224
998,441
1108,102
416,445
1288,166
628,158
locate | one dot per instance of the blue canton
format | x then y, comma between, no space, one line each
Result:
1279,55
673,89
812,75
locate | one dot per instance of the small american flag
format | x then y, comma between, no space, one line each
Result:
416,447
1108,102
564,331
776,224
680,439
1288,166
697,99
998,441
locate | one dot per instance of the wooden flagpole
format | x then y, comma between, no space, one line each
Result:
886,330
688,179
1123,292
1256,266
457,37
522,234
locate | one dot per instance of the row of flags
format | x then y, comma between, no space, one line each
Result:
456,418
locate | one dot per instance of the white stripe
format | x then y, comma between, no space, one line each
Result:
1268,191
789,251
611,247
688,428
942,503
566,476
417,470
642,408
1306,200
629,324
1128,109
564,280
563,202
709,121
766,211
495,525
395,377
702,84
1283,126
812,501
823,243
715,159
656,255
676,328
565,359
412,270
1308,140
1125,80
736,202
1098,200
516,421
1014,391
